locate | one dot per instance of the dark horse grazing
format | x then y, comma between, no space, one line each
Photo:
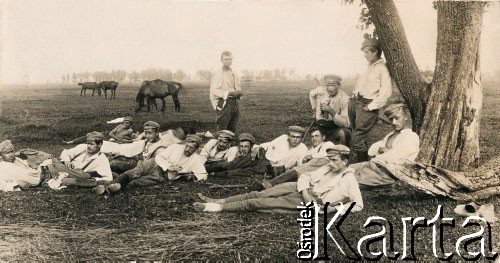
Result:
86,86
108,85
152,89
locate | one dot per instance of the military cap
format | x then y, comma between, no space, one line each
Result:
193,138
247,137
151,125
128,119
371,42
332,79
226,134
6,146
337,149
296,129
92,136
392,109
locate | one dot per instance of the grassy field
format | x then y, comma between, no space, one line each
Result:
159,223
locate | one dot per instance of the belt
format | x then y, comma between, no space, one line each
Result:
362,99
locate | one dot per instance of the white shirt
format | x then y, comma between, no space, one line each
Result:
19,172
318,151
404,147
217,88
375,83
332,187
174,155
280,153
209,151
94,163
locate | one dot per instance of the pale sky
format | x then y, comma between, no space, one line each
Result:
42,39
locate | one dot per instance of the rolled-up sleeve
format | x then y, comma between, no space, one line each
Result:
162,159
69,154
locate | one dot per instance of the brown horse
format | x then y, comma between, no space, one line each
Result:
86,86
108,85
152,89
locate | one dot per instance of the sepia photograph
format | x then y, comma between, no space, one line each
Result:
249,131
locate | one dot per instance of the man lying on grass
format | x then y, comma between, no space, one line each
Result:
240,161
333,182
15,172
178,161
219,150
315,158
399,145
83,165
122,133
121,161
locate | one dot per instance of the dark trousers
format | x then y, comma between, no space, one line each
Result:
240,166
362,122
121,164
146,173
334,133
229,116
76,177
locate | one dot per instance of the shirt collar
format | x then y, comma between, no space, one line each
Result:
380,60
226,69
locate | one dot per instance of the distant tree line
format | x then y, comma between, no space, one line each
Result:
278,74
126,76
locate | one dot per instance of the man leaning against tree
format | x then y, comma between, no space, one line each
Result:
373,89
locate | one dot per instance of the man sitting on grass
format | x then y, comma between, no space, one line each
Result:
333,182
399,145
83,165
241,162
15,172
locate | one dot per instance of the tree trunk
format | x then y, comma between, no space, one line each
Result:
450,132
400,61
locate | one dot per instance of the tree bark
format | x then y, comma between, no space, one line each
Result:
478,184
450,132
400,61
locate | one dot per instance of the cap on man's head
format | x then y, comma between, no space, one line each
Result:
392,109
332,79
247,137
337,149
371,42
127,119
149,125
6,146
193,138
92,136
296,129
226,134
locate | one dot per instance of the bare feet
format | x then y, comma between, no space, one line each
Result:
207,207
199,206
210,200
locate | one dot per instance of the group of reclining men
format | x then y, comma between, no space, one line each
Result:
321,173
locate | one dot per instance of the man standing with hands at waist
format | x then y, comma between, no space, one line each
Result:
373,89
225,92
